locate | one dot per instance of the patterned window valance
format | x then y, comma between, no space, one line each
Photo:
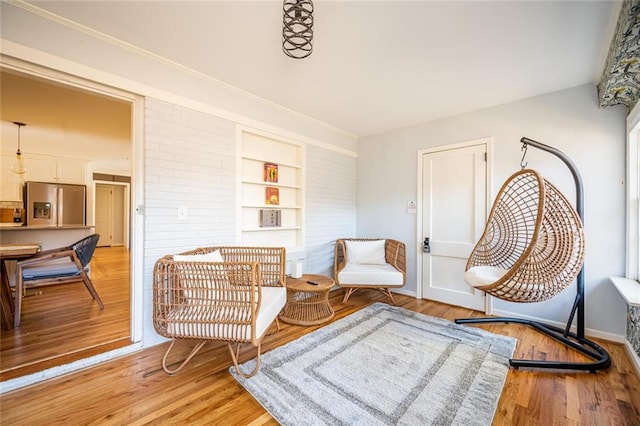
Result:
620,82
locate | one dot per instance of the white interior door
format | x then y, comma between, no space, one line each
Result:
104,214
118,226
454,209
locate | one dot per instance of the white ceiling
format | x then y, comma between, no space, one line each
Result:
376,65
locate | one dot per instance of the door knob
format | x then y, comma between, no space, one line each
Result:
425,246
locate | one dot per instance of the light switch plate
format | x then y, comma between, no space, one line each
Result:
183,213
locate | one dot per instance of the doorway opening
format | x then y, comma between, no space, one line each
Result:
112,210
84,136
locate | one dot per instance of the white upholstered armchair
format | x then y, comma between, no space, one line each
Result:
369,263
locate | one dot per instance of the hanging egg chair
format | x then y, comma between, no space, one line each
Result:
532,247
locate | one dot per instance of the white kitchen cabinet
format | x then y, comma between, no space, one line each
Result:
40,168
69,170
11,183
44,168
287,159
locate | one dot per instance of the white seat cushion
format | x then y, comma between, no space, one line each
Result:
273,300
199,321
51,270
480,276
366,275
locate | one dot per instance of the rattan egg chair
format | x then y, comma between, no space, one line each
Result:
532,247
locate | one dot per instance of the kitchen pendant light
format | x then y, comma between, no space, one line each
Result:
19,167
297,28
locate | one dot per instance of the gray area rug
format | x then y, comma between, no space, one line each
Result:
384,365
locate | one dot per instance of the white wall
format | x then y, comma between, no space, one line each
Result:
330,206
569,120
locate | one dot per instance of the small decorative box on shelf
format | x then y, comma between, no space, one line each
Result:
270,218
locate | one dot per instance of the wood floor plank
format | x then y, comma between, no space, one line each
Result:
572,412
134,389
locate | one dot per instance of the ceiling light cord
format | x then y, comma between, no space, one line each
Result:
19,167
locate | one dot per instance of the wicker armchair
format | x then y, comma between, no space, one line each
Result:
354,271
230,294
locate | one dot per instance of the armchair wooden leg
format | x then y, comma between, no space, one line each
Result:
234,356
387,292
18,301
269,333
92,290
195,349
348,292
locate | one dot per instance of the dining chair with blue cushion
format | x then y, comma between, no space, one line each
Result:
57,266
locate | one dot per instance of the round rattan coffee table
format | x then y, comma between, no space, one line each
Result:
308,304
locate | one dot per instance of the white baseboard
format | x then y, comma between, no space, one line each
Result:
633,356
393,290
404,292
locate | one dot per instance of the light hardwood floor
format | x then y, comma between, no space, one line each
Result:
135,390
61,323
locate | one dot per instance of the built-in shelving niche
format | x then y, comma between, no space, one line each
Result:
287,158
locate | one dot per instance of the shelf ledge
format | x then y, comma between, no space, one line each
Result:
279,163
272,228
628,288
269,206
275,184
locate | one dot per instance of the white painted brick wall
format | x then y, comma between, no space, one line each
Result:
330,206
190,160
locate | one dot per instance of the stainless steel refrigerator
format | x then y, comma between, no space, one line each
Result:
54,204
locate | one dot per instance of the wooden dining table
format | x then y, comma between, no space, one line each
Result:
11,252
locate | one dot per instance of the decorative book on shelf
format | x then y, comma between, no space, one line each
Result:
272,196
270,172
